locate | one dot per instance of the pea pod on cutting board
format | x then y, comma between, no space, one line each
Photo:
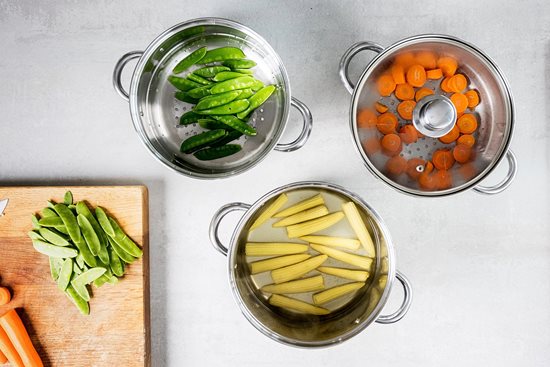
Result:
190,60
221,54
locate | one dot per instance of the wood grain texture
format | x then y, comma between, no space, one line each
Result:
116,333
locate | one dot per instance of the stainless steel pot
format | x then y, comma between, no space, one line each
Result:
155,111
311,331
495,112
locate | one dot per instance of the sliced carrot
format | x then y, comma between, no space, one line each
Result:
467,171
467,140
412,170
5,296
467,123
404,92
443,159
371,145
444,85
460,101
386,85
396,165
448,65
405,109
391,144
450,136
473,98
398,73
422,92
443,180
416,75
3,358
387,123
462,153
366,118
405,59
18,335
408,133
8,350
427,59
457,83
380,107
426,179
434,74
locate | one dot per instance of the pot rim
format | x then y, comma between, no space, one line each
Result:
359,327
440,193
138,70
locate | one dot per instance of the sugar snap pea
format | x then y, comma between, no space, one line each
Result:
35,222
189,60
183,83
232,135
80,303
55,266
113,279
69,220
221,54
115,264
245,94
184,97
199,92
189,117
217,152
53,237
210,71
217,100
82,209
65,274
89,234
257,85
239,64
79,262
195,142
226,75
84,250
68,198
53,250
257,100
198,79
104,221
103,279
236,124
47,212
81,289
89,275
123,255
124,241
35,236
230,108
233,84
212,124
49,222
243,71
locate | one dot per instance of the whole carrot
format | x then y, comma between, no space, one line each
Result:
8,350
18,335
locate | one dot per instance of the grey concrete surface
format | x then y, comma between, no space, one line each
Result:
480,266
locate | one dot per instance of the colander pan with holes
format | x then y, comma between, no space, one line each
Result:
155,111
422,132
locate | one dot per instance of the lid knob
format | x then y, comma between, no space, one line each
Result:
434,116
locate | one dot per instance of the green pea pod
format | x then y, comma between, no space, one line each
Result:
55,267
53,250
104,221
89,276
232,135
201,91
210,71
53,237
218,152
183,83
69,220
189,60
243,71
35,236
82,208
84,250
221,54
230,108
54,222
103,279
184,97
233,84
217,100
226,75
51,204
239,64
123,255
65,274
89,234
212,124
81,289
245,94
113,280
257,100
79,260
193,143
35,222
236,124
198,79
257,85
189,117
124,241
116,264
47,212
80,303
68,198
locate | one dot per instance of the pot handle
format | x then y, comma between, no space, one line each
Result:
407,299
121,63
502,185
215,224
349,54
306,129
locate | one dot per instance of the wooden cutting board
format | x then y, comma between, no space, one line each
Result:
116,333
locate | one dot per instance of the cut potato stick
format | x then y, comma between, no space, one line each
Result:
357,275
301,206
270,210
362,262
276,262
336,292
302,216
314,225
315,283
356,222
297,270
273,248
349,243
296,305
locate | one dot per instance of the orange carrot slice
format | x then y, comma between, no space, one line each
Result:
380,107
416,75
445,85
408,134
426,179
396,165
448,65
473,98
405,109
462,153
457,83
398,73
404,92
467,140
443,159
9,351
366,118
467,123
16,332
443,180
450,136
391,144
386,85
412,170
387,123
427,59
434,74
422,92
371,145
460,101
405,59
5,296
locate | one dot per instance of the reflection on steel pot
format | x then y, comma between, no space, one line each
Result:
155,111
348,316
433,116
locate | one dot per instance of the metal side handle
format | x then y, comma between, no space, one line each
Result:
215,224
407,299
121,63
306,128
349,54
507,181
